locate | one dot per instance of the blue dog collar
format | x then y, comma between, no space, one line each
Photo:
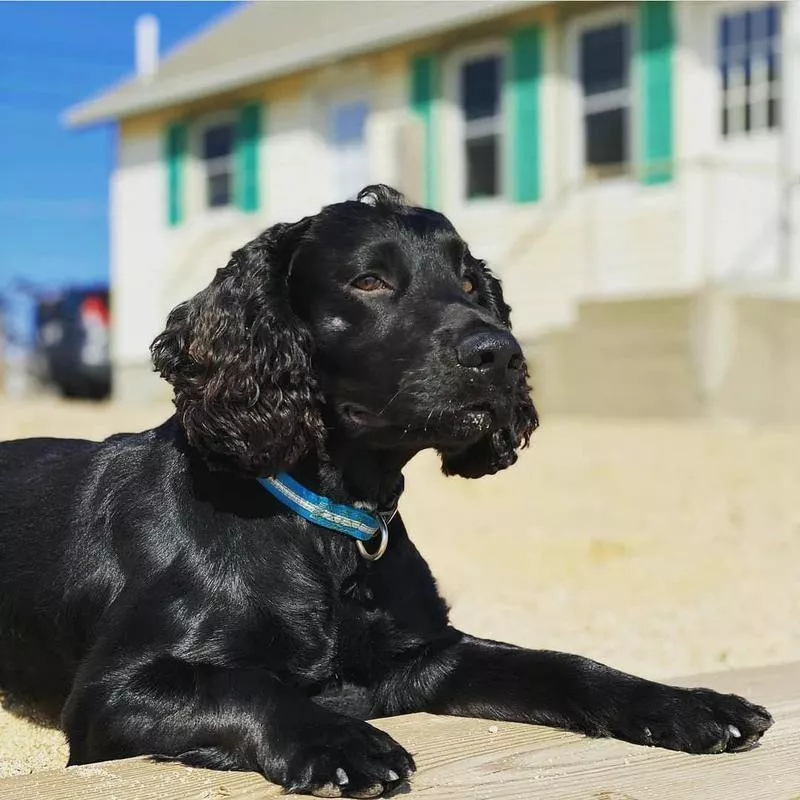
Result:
355,522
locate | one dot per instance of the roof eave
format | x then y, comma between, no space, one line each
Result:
255,69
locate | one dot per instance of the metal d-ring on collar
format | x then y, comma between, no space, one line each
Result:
383,529
384,518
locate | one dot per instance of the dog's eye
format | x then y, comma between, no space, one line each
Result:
468,284
369,283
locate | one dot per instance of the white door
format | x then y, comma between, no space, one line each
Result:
347,146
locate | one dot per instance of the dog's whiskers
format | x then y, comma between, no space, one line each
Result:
405,388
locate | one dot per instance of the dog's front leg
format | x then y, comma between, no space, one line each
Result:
227,718
480,678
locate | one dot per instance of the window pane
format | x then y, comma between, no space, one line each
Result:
738,30
735,118
773,20
604,57
348,122
350,171
724,37
773,111
219,190
772,67
759,25
480,88
606,137
482,167
348,151
219,165
218,141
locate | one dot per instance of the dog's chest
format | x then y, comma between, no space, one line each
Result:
365,638
366,630
318,629
326,616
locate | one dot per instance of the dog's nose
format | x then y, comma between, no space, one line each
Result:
497,353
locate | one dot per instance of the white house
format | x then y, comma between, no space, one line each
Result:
623,166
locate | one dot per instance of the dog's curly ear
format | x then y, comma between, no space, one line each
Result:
239,361
497,450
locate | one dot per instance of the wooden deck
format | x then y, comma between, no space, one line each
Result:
469,759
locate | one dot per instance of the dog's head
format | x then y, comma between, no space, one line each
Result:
371,318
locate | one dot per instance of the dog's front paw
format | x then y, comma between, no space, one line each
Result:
696,721
342,759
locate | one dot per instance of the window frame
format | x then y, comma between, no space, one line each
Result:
458,160
732,9
576,119
348,96
333,85
199,128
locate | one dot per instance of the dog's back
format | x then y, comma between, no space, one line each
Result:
54,578
39,485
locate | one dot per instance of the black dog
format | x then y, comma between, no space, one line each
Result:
154,593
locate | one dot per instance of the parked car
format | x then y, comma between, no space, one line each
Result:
72,341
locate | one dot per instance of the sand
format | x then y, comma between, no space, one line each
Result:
662,548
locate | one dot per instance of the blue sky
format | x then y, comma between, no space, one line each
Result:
54,181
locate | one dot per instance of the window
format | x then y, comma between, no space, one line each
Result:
604,54
481,106
348,148
217,157
749,63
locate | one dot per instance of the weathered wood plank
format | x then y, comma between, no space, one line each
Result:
478,760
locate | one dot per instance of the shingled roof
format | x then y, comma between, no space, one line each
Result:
271,38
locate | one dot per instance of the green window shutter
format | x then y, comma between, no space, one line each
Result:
248,139
424,91
176,137
656,43
523,86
